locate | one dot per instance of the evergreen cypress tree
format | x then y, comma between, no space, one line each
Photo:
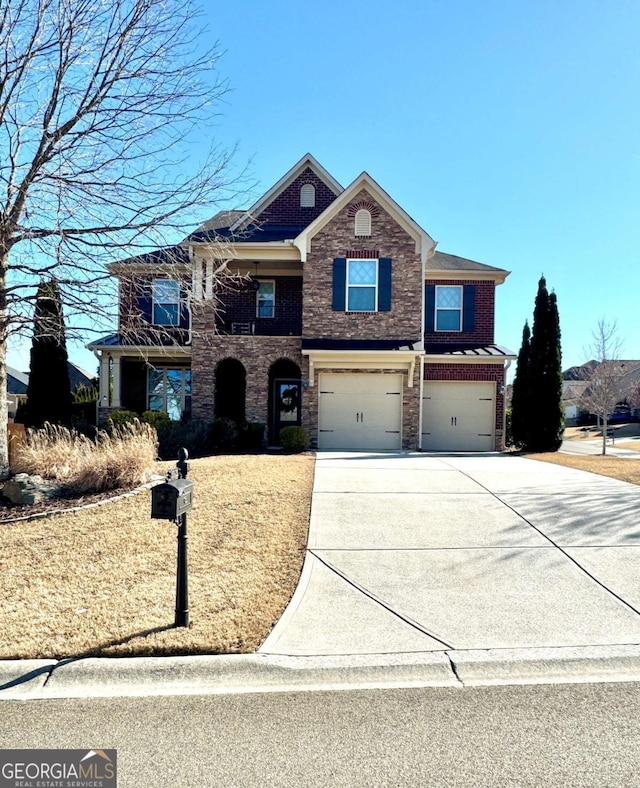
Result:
48,393
520,397
545,416
556,409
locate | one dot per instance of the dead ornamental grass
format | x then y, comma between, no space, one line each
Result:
627,470
102,581
123,458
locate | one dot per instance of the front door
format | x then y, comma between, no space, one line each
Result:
287,399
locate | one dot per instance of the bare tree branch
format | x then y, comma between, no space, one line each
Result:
99,102
604,391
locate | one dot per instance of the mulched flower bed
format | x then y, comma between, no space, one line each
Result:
10,511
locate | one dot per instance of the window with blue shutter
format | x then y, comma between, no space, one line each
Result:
362,285
450,308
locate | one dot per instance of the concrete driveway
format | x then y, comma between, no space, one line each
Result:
417,553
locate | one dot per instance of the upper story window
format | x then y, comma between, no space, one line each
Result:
266,298
363,222
362,285
448,308
308,196
166,302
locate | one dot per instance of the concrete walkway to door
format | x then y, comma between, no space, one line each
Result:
427,553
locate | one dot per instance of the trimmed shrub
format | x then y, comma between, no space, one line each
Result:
294,439
224,435
194,435
252,437
118,418
155,418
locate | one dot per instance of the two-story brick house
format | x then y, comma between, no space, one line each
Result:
348,321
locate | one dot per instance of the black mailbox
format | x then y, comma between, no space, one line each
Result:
171,499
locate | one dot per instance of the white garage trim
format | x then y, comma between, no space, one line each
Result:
360,411
402,360
458,416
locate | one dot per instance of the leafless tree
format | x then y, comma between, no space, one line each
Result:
99,104
603,391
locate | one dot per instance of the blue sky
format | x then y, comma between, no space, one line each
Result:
509,130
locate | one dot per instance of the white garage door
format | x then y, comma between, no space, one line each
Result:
458,416
359,411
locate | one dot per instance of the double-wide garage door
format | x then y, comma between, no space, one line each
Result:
359,411
458,416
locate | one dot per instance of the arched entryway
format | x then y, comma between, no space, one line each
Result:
285,397
230,391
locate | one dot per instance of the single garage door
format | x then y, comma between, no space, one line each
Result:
359,411
458,416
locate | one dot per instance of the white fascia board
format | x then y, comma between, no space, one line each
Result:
490,276
425,245
272,250
402,360
142,350
306,161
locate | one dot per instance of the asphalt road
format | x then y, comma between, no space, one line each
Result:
554,735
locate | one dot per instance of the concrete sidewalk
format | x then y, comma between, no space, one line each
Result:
417,553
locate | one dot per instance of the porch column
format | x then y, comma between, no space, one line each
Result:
116,382
104,380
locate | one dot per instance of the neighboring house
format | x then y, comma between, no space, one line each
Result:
576,381
18,382
572,393
348,322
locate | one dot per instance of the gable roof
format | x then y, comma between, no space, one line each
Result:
306,161
424,242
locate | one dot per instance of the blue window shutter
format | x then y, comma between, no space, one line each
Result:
339,284
469,308
145,302
430,299
184,312
384,284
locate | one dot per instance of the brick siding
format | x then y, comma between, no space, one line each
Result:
240,307
256,354
337,239
285,209
483,333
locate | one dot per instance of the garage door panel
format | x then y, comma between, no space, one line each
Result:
458,416
358,411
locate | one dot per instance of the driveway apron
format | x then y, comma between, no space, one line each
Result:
417,552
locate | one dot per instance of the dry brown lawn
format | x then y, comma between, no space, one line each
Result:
101,581
627,470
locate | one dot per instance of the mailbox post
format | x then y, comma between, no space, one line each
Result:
171,501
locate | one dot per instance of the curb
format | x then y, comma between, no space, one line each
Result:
225,674
256,673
